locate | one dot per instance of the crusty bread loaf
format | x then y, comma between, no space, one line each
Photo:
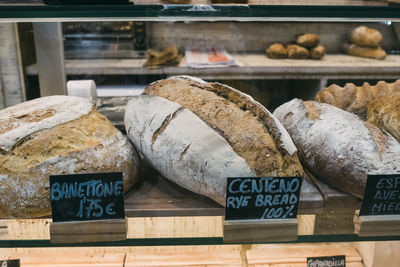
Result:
308,40
56,135
197,134
337,146
318,52
277,51
364,51
354,98
384,112
365,36
297,52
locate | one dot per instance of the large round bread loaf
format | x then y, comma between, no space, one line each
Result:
197,134
337,146
56,135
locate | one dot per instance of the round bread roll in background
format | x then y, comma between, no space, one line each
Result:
277,51
297,52
318,52
365,36
197,134
51,136
308,40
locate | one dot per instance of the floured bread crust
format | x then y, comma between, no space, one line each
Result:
181,147
354,98
197,134
247,126
337,146
84,142
384,112
21,120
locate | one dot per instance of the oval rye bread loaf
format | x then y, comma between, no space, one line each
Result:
197,134
56,135
337,146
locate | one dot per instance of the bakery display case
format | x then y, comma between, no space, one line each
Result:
163,101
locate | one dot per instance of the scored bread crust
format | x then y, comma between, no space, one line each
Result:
70,139
354,98
337,146
249,128
21,120
197,134
384,112
181,147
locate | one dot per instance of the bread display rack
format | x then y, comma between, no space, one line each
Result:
162,216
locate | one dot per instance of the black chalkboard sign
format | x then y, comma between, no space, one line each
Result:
330,261
82,197
262,198
9,263
382,195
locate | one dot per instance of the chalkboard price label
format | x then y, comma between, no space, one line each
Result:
382,195
330,261
9,263
84,197
260,198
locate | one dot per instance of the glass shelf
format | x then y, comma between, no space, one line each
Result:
190,241
21,13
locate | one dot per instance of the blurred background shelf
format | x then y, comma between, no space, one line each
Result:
251,66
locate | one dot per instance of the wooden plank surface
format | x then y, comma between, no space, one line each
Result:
156,196
88,231
251,66
311,200
68,260
297,256
204,259
260,231
247,255
338,212
334,199
379,225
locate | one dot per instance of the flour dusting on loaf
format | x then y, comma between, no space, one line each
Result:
186,151
197,134
19,121
337,146
74,139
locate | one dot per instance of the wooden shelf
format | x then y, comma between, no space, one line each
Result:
339,208
251,66
155,196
